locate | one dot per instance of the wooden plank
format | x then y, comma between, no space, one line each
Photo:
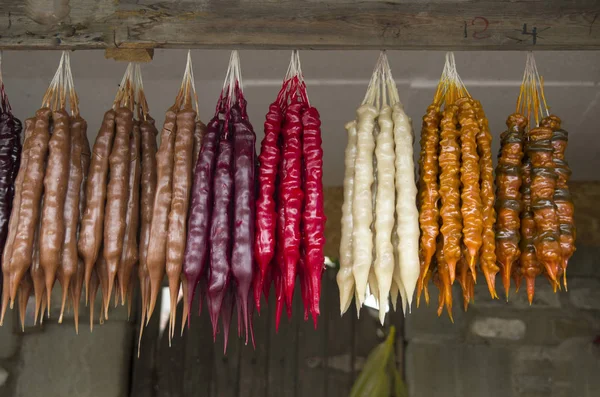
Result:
141,55
340,331
396,24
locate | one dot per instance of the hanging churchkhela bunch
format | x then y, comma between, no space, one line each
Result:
109,203
456,193
536,230
10,157
166,176
290,217
42,232
107,241
380,229
218,259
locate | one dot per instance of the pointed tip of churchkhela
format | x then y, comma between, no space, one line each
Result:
490,279
452,272
506,272
226,315
187,302
278,311
65,290
152,303
530,281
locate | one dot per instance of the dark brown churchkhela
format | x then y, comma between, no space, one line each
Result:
129,254
70,259
543,185
148,189
77,287
117,193
508,196
529,267
562,196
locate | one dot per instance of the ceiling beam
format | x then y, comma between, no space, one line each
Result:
310,24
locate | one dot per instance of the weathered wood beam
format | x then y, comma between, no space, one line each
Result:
140,55
325,24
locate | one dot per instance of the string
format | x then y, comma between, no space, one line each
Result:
73,98
48,98
194,87
371,90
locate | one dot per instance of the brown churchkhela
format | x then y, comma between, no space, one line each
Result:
157,246
148,189
52,230
77,287
116,200
182,184
37,274
68,266
31,193
543,185
92,223
508,196
129,255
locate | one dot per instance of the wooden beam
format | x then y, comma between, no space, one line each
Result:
141,55
311,24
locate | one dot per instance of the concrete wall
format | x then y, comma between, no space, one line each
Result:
53,361
500,349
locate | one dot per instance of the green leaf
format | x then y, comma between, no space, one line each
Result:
374,378
399,386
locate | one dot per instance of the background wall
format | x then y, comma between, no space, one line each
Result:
496,349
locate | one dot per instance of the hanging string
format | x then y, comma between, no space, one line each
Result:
194,86
49,96
371,88
73,98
